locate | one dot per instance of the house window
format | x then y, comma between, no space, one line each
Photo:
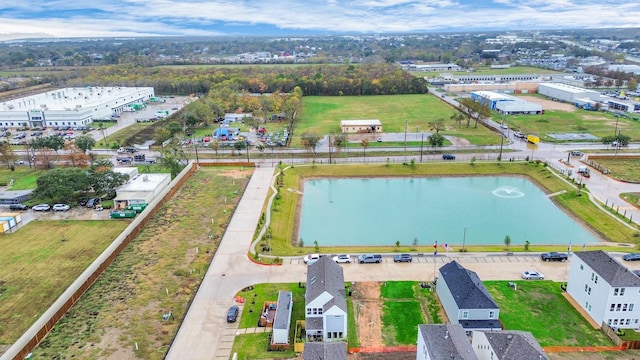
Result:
618,307
627,322
630,307
581,266
596,279
615,321
589,291
616,291
586,287
624,307
320,311
492,314
609,322
308,311
613,307
621,291
465,314
592,276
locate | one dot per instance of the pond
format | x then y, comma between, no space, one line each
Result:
453,211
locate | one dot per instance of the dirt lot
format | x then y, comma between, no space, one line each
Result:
549,104
368,312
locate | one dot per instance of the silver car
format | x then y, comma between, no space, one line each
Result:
41,207
532,275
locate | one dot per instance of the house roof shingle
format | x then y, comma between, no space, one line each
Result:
608,268
336,350
466,287
447,342
511,344
326,275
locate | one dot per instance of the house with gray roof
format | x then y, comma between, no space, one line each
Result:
336,350
282,321
465,299
605,289
506,345
439,341
325,302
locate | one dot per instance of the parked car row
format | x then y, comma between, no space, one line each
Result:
47,207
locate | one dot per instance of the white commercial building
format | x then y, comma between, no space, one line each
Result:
70,106
568,93
140,189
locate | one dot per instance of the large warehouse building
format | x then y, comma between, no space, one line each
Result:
70,106
506,104
568,93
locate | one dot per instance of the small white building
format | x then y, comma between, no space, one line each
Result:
361,126
605,289
282,320
140,189
233,117
70,106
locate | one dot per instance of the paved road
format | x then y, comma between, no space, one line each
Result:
204,334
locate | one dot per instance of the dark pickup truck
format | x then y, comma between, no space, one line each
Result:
554,256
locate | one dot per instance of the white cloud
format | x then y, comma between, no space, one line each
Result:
198,17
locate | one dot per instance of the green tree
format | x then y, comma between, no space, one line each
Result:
507,241
365,144
173,158
435,140
7,155
61,184
309,141
85,142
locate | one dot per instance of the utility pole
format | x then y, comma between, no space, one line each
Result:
405,141
501,143
329,148
421,145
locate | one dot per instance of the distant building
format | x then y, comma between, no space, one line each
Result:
433,67
465,299
506,345
568,93
506,104
361,126
9,197
71,106
438,342
605,289
233,117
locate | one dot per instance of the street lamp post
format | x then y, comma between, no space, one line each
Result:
464,238
421,145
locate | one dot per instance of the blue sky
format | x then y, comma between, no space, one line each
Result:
129,18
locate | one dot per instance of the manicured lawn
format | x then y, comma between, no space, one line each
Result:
322,115
254,346
397,289
23,177
39,261
540,308
260,293
627,169
120,137
401,320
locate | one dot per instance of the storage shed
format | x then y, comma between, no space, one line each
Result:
361,126
282,321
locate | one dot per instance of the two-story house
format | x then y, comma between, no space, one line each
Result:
325,302
443,341
506,345
465,299
607,291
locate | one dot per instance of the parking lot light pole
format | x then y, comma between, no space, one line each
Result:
421,145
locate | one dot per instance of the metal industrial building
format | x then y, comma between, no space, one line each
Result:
506,104
570,94
70,106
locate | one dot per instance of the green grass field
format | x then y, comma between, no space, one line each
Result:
23,177
540,308
39,261
627,169
322,115
580,121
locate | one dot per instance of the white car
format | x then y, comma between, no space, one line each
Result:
41,207
532,275
342,258
311,258
61,207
